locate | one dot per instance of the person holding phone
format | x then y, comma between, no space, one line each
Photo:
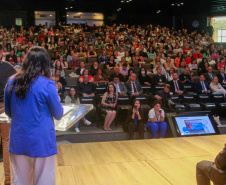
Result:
135,121
156,120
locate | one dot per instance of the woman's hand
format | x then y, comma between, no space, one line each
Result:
134,111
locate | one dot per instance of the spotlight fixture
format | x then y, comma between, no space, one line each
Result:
71,7
67,15
50,15
158,11
127,1
66,8
178,4
182,3
172,4
122,1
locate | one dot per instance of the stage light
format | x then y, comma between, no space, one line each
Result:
71,7
66,8
178,4
50,15
67,15
182,3
172,4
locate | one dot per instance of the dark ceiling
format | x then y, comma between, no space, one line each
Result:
210,7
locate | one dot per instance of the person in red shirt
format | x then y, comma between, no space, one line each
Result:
197,54
187,50
21,38
41,36
188,59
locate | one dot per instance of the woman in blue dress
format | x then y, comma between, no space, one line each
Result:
31,101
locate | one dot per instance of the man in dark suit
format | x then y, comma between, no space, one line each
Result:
133,87
222,76
214,171
120,86
176,86
202,87
209,76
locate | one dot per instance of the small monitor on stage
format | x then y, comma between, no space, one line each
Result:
195,125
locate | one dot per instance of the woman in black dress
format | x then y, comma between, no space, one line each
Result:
109,102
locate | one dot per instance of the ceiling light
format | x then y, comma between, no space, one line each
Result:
50,15
67,15
127,1
122,1
66,8
71,7
172,4
182,3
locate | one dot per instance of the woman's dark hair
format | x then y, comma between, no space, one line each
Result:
108,88
76,95
134,101
173,70
129,71
35,63
140,71
84,71
157,102
57,67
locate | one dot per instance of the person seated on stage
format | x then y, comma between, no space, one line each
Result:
209,76
207,171
79,71
176,86
222,76
144,79
120,86
158,64
109,103
100,78
186,77
202,87
86,88
116,72
216,86
74,63
73,98
156,118
159,79
164,96
133,87
135,120
86,72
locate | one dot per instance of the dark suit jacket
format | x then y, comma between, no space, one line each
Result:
122,87
129,88
198,87
207,76
172,86
221,80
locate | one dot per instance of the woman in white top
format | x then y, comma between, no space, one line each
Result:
216,86
169,76
193,65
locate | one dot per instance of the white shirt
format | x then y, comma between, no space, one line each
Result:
151,114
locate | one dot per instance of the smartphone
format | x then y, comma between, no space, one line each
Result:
135,107
160,111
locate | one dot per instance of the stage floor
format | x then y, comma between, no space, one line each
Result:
151,162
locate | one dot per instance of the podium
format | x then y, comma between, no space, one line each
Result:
72,114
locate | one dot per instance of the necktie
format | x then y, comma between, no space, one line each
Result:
134,88
223,77
203,86
211,76
176,85
116,86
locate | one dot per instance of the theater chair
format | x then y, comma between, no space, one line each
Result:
67,72
100,90
71,82
189,89
92,60
93,113
190,103
219,100
205,101
146,89
158,87
176,99
123,106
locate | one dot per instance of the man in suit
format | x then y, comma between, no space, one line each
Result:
202,87
209,76
133,87
176,86
120,86
222,76
214,171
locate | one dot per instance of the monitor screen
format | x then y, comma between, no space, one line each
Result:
194,125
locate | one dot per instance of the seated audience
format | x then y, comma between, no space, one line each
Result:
86,72
158,64
100,78
104,58
156,120
73,98
91,53
133,87
193,65
176,86
186,77
111,64
58,66
116,72
124,70
94,68
169,64
11,57
135,120
222,76
109,103
74,63
86,88
202,87
144,79
216,86
169,76
79,71
119,86
209,75
159,79
197,54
